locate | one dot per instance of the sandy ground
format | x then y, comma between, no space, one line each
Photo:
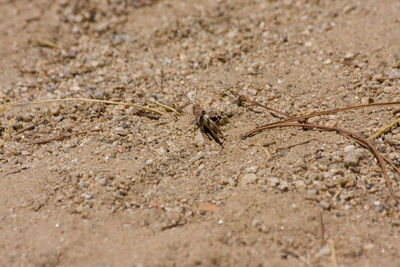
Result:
94,184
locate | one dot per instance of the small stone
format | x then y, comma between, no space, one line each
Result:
283,186
199,139
349,148
249,178
273,181
308,44
367,100
325,205
327,61
252,169
37,205
349,55
352,157
369,246
88,196
102,181
393,74
389,89
378,77
299,184
377,203
325,250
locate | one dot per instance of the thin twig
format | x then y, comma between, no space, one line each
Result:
384,130
332,111
62,137
266,152
333,251
294,145
45,43
321,228
243,98
30,127
88,100
166,107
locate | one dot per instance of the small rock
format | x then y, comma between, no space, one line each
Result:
349,148
325,250
273,181
299,184
352,156
308,44
103,181
37,205
249,178
252,169
325,205
377,203
283,186
88,196
349,55
369,246
199,139
378,77
347,207
393,74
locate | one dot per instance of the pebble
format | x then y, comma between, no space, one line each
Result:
103,181
325,250
352,156
273,181
199,139
325,205
349,148
88,196
283,186
252,169
248,178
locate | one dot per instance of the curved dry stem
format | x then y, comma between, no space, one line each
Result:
326,112
358,138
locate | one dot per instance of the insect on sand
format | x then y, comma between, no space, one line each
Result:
206,124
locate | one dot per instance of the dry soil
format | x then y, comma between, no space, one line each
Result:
124,186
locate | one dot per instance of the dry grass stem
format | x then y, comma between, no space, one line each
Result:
167,107
321,227
148,109
333,253
384,130
45,43
62,137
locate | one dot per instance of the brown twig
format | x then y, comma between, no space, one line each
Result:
321,228
62,137
347,133
31,127
27,128
294,145
332,111
245,99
